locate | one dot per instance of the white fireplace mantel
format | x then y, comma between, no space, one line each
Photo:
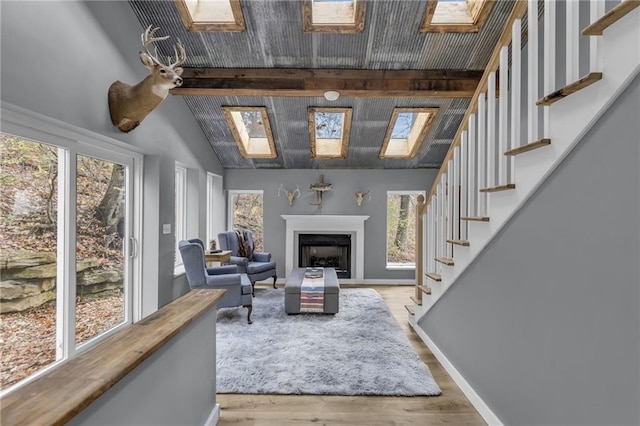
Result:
327,224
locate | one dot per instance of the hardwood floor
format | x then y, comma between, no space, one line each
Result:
451,408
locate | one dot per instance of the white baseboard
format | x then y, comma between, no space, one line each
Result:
214,416
473,397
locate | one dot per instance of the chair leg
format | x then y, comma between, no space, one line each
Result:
250,308
275,277
253,288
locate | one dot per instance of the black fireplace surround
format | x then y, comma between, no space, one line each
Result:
326,250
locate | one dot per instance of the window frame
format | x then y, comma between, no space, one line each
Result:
395,266
72,141
180,222
228,112
344,137
193,24
419,139
356,27
478,12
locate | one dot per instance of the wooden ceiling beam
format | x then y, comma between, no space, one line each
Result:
314,82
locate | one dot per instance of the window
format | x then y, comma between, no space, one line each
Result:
245,212
67,274
337,16
401,229
329,132
455,16
406,131
251,131
215,206
211,15
181,212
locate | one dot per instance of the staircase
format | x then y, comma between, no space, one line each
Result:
529,111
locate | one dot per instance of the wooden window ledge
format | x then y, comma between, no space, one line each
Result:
63,392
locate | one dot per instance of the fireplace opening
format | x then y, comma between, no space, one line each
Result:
326,250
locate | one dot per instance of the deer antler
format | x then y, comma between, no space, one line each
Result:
291,195
148,37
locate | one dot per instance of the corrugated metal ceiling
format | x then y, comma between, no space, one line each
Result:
274,39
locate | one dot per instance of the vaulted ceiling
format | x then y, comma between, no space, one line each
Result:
276,65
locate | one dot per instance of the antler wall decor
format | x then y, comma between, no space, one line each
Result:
320,188
359,196
291,195
129,105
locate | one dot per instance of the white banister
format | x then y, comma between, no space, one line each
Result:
455,213
472,161
465,192
449,213
596,11
503,112
491,130
482,156
516,93
549,57
572,41
532,71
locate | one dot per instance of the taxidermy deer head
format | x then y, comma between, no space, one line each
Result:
291,195
129,105
359,196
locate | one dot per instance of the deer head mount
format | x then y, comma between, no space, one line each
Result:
359,196
291,195
129,105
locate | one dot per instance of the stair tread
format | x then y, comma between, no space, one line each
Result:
416,301
528,147
499,188
463,243
585,81
411,309
446,260
476,218
425,289
610,17
434,276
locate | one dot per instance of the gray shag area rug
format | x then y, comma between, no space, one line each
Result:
359,351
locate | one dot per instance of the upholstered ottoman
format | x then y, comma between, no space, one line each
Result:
292,291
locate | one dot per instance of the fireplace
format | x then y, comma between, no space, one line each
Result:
327,224
326,250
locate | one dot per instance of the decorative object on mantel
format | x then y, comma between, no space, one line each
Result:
291,195
129,105
320,187
359,196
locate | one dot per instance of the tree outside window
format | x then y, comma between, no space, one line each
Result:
401,228
246,213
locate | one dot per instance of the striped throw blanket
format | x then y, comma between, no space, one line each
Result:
312,290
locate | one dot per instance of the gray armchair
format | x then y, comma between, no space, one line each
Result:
238,286
259,268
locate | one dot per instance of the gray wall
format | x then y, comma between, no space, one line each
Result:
59,59
339,201
174,386
545,324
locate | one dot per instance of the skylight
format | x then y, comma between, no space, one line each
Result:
407,129
211,15
455,16
329,132
340,16
251,131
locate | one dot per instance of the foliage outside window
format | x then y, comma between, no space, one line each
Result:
401,228
246,213
32,305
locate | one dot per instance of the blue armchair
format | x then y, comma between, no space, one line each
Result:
259,268
238,286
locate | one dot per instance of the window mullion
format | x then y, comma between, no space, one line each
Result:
66,277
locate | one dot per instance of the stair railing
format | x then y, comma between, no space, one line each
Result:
508,115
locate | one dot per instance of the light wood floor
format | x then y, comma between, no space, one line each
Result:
451,408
